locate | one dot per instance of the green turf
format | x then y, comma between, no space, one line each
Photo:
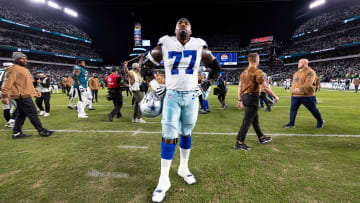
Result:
289,169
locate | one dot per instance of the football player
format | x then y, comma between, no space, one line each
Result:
80,85
182,55
10,119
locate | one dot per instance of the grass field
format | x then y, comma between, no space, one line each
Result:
93,160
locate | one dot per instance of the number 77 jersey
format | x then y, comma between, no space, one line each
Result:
181,62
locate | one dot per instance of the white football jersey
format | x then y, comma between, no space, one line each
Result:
181,62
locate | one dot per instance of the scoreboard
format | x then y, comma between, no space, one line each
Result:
262,39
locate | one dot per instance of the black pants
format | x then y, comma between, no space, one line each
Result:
94,94
264,99
356,89
26,108
221,98
201,102
251,103
117,98
45,96
128,91
68,90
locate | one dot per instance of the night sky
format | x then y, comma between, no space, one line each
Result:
110,23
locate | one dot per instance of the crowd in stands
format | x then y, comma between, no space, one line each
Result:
326,41
222,42
13,10
329,18
35,42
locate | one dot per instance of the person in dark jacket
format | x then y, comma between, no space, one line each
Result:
43,86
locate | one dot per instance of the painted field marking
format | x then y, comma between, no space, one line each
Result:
195,133
96,173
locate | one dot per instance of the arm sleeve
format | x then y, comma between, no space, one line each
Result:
46,83
9,79
260,77
215,69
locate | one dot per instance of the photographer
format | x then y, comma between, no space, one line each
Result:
222,91
43,86
114,82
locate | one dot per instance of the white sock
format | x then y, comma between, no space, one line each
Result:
70,102
184,159
164,180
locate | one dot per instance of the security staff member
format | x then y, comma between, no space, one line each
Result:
251,81
94,86
114,82
43,86
356,84
18,85
303,92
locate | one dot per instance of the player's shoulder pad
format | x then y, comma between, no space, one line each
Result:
76,67
162,40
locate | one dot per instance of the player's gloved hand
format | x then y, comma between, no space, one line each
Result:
160,91
203,87
82,89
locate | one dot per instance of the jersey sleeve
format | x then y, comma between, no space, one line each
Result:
202,43
162,40
260,77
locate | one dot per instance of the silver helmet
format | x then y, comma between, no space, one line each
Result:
151,105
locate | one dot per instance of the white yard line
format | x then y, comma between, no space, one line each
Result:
195,133
136,132
132,147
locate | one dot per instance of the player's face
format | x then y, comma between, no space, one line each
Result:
301,63
22,61
183,29
82,63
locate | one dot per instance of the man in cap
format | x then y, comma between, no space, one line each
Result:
19,86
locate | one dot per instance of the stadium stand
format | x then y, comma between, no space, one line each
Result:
331,41
12,10
329,18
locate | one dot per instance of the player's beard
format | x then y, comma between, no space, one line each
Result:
183,34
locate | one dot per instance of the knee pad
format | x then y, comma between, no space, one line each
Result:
167,151
185,142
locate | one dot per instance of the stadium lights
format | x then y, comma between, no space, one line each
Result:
38,1
317,3
54,5
70,12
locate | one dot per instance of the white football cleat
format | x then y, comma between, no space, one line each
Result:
82,116
188,177
159,193
46,114
41,113
140,120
